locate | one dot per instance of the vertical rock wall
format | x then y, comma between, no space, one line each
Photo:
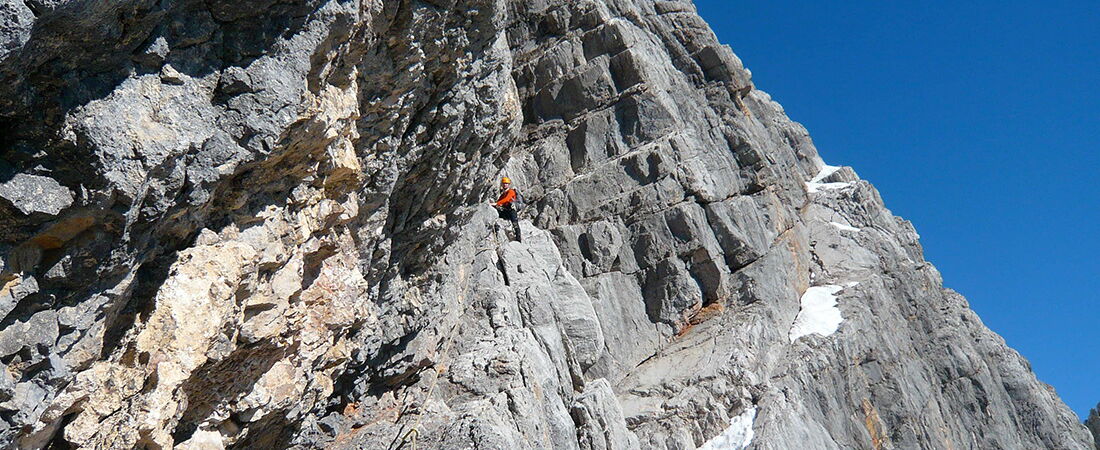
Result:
1093,423
264,225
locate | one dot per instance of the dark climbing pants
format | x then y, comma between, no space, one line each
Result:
508,213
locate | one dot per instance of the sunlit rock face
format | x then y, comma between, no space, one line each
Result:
265,225
1093,423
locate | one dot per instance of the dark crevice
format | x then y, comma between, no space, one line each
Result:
251,311
347,384
34,8
503,269
585,244
183,432
314,262
58,442
207,388
150,276
647,359
274,431
387,374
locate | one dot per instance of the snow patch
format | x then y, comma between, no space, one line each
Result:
826,170
738,436
815,184
851,284
819,314
843,227
812,187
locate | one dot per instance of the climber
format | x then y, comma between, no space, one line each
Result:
505,205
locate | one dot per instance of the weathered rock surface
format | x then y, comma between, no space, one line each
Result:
1093,423
263,225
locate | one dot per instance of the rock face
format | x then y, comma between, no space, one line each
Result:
264,225
1093,424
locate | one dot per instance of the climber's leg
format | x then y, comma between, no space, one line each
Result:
510,213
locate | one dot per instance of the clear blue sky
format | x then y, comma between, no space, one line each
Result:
979,122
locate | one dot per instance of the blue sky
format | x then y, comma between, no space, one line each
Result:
979,122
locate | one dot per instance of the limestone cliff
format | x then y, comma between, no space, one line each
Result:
1093,424
264,225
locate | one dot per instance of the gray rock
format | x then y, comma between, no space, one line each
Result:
36,194
264,226
599,419
1093,423
27,400
170,75
154,54
551,296
40,330
16,20
14,291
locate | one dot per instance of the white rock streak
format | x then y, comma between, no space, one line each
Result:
843,227
738,436
819,314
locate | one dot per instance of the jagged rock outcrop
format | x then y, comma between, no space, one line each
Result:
1093,423
263,225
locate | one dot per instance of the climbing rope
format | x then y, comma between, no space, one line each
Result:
410,437
414,431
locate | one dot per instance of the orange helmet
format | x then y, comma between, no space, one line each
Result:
506,180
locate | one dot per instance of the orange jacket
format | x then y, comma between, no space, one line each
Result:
506,198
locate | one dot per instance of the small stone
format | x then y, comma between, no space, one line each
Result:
60,270
153,55
234,81
169,75
15,290
207,237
